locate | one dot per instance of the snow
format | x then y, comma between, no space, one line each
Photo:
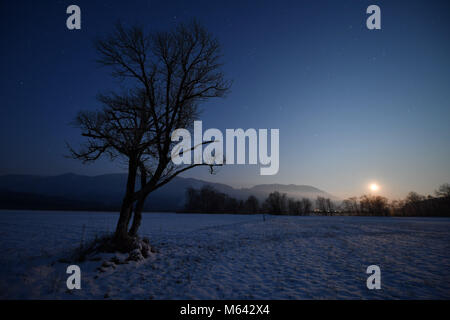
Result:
230,257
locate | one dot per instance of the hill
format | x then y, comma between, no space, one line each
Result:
105,192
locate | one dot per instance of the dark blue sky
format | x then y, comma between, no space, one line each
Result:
353,105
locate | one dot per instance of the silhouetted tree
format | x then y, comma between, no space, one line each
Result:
252,205
167,74
413,205
209,200
351,205
374,205
329,206
321,204
443,191
295,207
276,203
324,205
414,197
306,206
396,207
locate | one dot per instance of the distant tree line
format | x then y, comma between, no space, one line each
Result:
279,204
366,205
209,200
413,205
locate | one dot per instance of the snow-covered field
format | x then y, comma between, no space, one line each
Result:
230,257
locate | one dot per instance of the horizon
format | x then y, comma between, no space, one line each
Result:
336,198
354,106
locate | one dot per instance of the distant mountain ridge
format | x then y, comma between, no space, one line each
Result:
105,192
292,190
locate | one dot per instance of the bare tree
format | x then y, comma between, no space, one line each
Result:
413,203
397,207
276,203
414,197
374,205
321,204
329,206
306,206
167,75
251,204
350,205
295,207
443,191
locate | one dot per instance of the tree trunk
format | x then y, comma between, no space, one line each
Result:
122,225
121,234
137,217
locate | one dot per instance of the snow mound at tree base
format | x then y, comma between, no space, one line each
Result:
107,247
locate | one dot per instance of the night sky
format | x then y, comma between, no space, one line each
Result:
353,105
